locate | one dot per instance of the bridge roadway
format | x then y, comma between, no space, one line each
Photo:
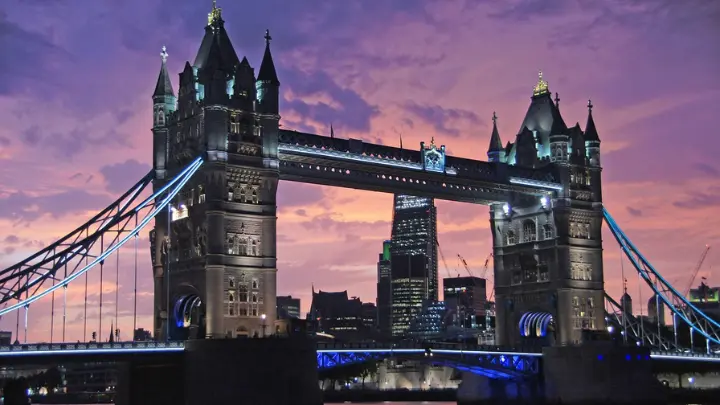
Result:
329,354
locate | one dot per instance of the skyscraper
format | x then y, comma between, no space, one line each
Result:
413,259
384,290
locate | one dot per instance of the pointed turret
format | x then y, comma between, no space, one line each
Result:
496,152
268,85
590,130
163,96
592,140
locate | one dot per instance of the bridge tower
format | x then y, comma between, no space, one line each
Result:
548,250
214,253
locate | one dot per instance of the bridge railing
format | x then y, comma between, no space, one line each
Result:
422,346
38,347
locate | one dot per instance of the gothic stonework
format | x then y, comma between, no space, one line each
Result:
548,253
223,221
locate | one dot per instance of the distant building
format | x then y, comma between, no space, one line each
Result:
336,314
654,315
707,299
5,338
413,259
431,323
626,303
465,298
288,307
142,335
384,291
369,314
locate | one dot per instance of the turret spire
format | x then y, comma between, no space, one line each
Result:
164,84
591,133
541,87
496,152
267,67
215,15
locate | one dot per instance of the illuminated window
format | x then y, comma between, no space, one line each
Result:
201,195
179,213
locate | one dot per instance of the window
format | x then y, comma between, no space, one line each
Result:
254,248
231,282
201,195
255,198
529,231
243,293
242,194
547,231
232,311
254,312
254,298
254,284
161,118
510,237
231,297
243,312
242,246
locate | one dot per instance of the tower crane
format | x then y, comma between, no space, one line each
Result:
696,270
442,256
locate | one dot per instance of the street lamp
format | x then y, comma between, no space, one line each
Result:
263,317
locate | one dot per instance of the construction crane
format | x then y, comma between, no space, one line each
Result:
696,270
442,256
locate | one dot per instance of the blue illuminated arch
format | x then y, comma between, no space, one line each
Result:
535,324
183,309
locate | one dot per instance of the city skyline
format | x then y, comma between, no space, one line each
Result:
72,126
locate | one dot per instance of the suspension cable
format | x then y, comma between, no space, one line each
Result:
135,285
117,291
102,265
65,287
85,339
52,311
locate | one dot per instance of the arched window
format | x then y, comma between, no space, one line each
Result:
529,231
242,247
254,248
510,237
243,293
254,298
547,231
232,311
255,198
243,195
231,297
254,284
161,118
231,282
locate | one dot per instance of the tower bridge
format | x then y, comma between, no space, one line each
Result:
219,155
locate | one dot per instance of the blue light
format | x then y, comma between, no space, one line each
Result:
536,183
600,357
628,357
183,178
93,351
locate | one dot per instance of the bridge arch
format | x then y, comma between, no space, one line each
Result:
536,324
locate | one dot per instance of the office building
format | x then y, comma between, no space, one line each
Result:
413,259
466,300
384,291
288,307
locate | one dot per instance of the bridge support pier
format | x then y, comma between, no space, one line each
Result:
478,389
602,373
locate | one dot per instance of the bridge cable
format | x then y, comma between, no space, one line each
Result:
117,291
85,339
27,306
52,312
135,286
64,306
102,266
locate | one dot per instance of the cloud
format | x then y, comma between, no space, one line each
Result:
25,208
706,169
291,194
700,200
120,177
634,212
444,120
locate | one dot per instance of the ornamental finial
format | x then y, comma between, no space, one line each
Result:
215,14
541,87
590,105
432,141
164,55
268,38
494,118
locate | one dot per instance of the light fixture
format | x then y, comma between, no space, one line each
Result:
545,201
506,209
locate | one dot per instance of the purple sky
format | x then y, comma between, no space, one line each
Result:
76,78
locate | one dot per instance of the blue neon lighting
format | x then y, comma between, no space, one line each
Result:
627,245
181,179
306,150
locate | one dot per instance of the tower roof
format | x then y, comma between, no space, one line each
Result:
164,84
495,142
267,67
590,130
542,115
216,43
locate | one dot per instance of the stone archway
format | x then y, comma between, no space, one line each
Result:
188,316
536,324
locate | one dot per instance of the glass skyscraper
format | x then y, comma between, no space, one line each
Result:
413,259
384,291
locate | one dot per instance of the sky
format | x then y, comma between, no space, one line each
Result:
76,78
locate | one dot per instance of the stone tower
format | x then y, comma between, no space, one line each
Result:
548,250
214,253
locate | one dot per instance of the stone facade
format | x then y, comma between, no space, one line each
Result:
221,246
548,250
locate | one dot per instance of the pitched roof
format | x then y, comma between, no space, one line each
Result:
495,142
216,46
591,133
267,71
164,84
